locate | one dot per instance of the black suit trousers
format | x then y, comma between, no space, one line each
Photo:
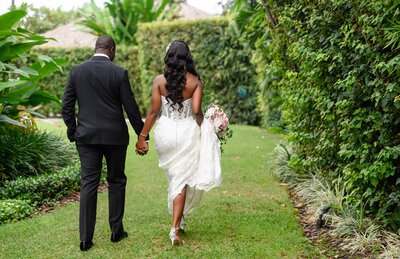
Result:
91,156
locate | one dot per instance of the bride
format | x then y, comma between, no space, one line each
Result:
187,147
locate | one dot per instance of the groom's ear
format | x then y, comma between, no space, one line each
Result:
112,52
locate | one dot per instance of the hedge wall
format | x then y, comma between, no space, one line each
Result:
126,57
341,99
222,62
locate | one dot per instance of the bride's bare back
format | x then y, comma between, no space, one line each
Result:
192,89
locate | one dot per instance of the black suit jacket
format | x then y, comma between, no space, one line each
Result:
101,89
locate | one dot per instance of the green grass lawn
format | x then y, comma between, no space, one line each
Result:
249,216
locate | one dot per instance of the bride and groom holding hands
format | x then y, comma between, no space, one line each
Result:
187,146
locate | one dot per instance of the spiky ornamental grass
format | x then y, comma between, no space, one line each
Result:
360,233
280,160
391,246
318,194
28,152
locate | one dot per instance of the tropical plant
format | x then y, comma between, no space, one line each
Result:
18,82
120,18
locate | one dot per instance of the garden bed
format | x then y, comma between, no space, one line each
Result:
321,238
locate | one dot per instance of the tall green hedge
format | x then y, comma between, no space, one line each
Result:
341,97
221,60
55,83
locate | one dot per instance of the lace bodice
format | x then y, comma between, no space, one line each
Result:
173,112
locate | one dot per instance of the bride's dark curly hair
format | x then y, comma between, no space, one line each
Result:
178,61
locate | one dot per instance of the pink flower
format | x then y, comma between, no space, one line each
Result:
218,119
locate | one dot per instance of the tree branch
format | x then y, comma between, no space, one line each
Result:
268,13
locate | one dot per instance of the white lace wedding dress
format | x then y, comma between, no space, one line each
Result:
190,154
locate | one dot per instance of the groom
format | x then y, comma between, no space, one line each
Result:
101,89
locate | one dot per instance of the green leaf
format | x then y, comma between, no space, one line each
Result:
23,71
22,48
37,114
5,85
47,68
21,92
5,34
6,119
11,100
8,20
39,97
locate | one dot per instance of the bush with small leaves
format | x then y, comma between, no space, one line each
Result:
11,210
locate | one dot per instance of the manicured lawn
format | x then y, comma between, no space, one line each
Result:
249,216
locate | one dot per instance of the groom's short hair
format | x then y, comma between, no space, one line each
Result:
105,42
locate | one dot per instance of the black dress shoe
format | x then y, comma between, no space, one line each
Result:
86,245
118,237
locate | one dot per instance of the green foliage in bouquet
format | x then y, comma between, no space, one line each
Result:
220,123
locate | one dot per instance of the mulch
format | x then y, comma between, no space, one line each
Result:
320,238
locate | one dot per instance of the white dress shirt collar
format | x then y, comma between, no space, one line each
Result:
101,55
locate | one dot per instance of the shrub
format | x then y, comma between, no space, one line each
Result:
340,99
27,152
45,188
55,83
11,210
221,59
341,96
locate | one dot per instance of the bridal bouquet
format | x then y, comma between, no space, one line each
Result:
219,121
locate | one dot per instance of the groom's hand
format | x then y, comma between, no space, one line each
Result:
142,147
141,152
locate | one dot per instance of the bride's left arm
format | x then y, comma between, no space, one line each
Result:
152,116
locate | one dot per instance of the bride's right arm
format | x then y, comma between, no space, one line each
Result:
196,104
151,116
